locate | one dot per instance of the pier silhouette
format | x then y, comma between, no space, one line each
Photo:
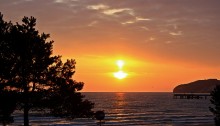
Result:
191,95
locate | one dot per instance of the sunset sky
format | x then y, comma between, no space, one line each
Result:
162,43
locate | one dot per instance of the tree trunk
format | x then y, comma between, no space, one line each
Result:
26,106
26,110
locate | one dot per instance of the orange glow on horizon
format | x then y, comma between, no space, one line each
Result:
99,73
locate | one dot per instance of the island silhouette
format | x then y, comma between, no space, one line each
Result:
199,86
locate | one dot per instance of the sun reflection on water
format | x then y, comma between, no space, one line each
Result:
120,99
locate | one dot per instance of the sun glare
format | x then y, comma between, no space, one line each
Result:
120,74
120,63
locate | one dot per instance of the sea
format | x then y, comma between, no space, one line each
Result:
134,109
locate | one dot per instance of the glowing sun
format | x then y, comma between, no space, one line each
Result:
120,64
120,74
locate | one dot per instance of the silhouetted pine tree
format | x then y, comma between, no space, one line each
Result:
28,67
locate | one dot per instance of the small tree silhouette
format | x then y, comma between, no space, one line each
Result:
215,100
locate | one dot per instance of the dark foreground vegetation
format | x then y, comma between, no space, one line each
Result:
215,100
31,78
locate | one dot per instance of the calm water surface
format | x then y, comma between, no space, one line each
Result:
150,109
